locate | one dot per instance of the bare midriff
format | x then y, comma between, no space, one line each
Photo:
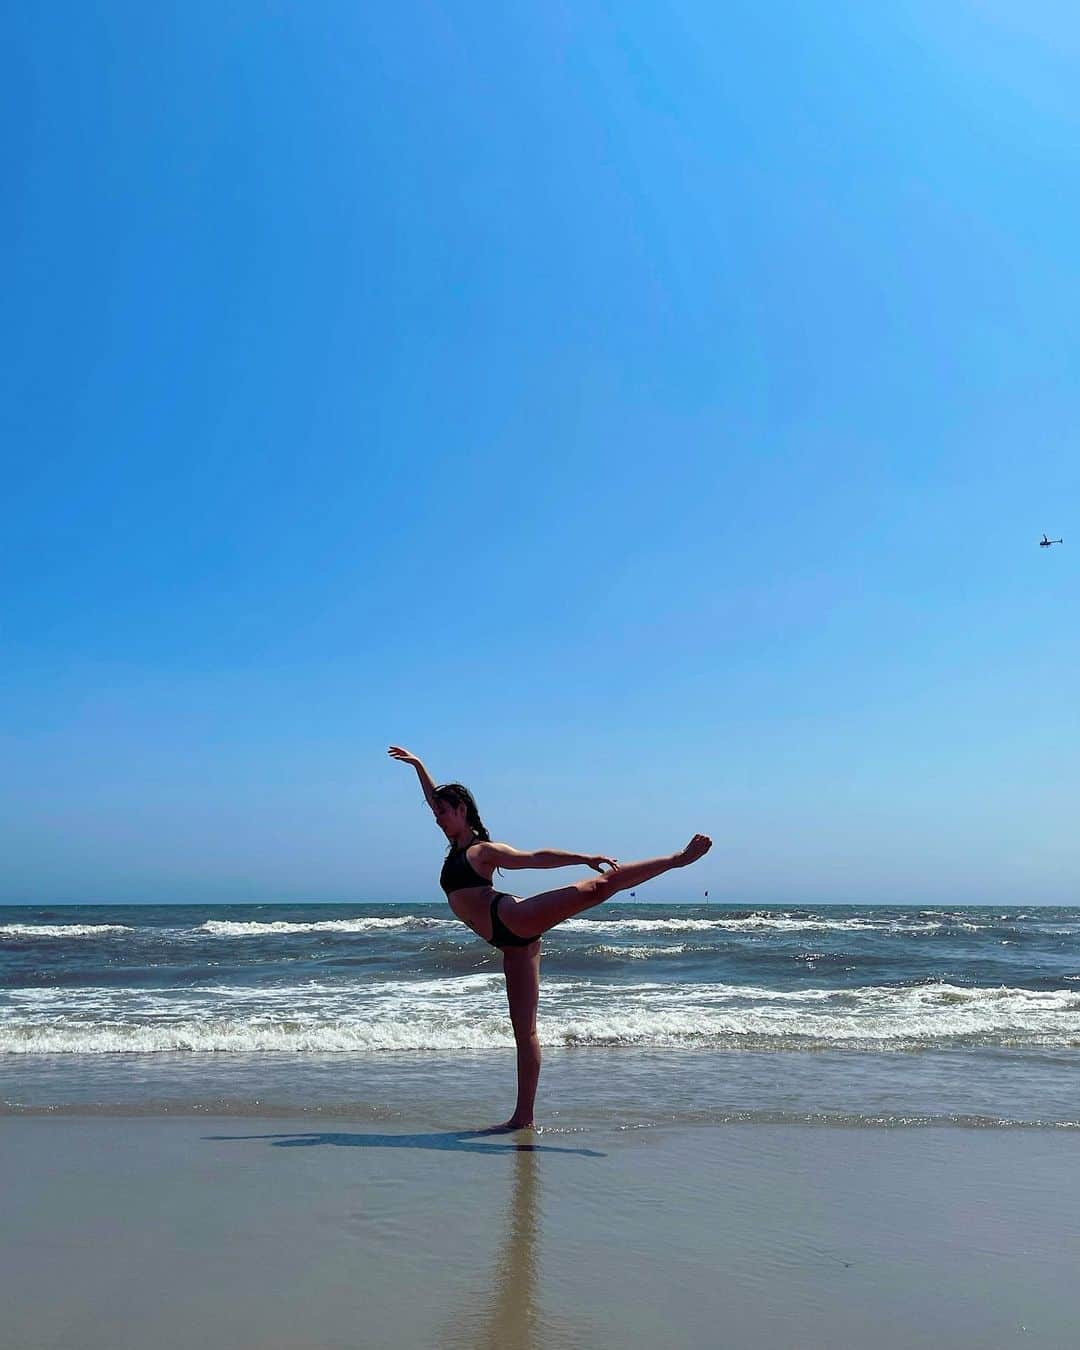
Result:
472,905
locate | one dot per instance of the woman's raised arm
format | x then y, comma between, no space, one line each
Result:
504,855
396,752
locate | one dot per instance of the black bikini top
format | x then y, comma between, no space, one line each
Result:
457,872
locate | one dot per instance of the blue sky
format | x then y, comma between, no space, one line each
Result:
647,414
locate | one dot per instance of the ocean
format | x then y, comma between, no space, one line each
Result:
649,1014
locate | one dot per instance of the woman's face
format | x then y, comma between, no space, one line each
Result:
450,819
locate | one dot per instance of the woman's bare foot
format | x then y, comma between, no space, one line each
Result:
695,849
507,1126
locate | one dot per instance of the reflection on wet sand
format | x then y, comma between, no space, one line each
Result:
502,1311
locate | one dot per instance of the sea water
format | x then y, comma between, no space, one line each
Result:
858,1015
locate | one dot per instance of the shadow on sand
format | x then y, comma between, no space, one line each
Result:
450,1141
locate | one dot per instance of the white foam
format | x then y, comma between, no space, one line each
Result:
753,923
227,928
470,1012
640,953
57,930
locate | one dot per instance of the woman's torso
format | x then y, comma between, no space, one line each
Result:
470,903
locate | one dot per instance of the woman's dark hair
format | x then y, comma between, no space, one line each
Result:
457,794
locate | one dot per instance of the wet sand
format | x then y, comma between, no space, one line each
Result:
162,1232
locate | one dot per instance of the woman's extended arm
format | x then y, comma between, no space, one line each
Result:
503,855
396,752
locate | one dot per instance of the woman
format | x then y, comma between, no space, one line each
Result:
515,925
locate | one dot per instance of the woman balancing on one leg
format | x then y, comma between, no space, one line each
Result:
514,924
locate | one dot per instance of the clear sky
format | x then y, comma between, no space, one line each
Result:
645,413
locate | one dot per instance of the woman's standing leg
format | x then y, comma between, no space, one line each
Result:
521,967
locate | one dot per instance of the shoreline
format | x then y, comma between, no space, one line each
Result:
581,1088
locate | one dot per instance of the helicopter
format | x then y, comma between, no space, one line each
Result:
1045,543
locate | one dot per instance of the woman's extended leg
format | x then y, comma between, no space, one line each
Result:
537,913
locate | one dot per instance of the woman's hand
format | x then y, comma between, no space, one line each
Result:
595,864
426,784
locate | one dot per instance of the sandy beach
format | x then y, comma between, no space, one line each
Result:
299,1234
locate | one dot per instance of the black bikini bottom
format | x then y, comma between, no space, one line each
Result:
501,936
